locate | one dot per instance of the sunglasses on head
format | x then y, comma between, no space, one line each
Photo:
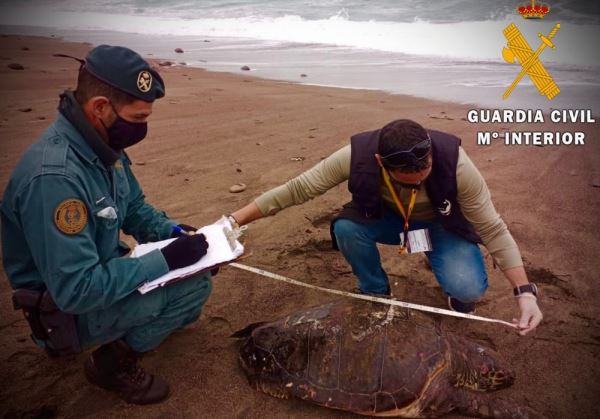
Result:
410,157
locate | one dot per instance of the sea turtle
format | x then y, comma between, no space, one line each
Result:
376,359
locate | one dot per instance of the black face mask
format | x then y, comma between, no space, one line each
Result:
123,134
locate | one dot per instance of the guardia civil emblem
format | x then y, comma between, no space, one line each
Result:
519,51
71,216
144,81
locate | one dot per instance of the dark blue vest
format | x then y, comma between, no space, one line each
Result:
365,180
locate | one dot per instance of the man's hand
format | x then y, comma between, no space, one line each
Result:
184,227
185,251
531,315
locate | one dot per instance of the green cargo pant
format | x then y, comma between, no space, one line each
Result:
144,321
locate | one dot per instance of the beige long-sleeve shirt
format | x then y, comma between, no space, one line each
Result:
473,197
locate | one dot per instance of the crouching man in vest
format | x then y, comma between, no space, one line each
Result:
403,178
62,211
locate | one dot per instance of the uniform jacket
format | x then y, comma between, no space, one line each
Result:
83,271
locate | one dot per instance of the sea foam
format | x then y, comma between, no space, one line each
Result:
473,40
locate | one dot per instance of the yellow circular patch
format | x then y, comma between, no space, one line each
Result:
71,216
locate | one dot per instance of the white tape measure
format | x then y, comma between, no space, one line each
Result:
420,307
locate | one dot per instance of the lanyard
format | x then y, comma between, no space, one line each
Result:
405,213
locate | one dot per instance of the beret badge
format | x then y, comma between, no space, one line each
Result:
144,81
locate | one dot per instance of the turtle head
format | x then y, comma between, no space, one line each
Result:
483,370
265,352
261,357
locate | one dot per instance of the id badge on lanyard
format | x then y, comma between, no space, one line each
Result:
418,240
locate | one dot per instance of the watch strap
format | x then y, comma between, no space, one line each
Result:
531,287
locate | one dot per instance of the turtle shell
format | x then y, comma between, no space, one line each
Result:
362,357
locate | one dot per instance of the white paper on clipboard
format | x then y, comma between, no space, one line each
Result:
222,247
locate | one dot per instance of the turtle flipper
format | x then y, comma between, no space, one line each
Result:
482,405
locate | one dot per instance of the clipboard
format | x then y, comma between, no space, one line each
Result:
223,248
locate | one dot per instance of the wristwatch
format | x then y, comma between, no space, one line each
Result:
531,287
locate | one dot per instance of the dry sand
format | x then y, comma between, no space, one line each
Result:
213,130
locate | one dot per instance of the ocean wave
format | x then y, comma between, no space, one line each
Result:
471,40
448,11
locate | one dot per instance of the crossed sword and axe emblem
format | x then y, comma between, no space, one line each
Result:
519,49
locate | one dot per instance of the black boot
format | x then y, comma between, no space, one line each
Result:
113,366
461,307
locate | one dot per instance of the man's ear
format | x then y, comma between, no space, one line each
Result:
99,106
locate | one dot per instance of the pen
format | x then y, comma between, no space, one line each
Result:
179,231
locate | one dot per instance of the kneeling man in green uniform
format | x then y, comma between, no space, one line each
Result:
66,201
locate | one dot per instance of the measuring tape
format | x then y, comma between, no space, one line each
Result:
419,307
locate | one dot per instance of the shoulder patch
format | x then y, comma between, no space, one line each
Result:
71,216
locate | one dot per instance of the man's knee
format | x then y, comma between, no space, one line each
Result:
465,280
190,294
183,306
201,294
470,294
344,229
348,233
460,271
467,286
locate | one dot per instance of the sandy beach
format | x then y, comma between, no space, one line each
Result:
213,130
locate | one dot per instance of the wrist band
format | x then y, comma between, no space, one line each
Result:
232,220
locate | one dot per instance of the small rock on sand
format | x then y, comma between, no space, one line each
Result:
16,66
178,50
165,63
245,68
24,109
237,188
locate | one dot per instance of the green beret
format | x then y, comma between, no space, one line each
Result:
125,70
